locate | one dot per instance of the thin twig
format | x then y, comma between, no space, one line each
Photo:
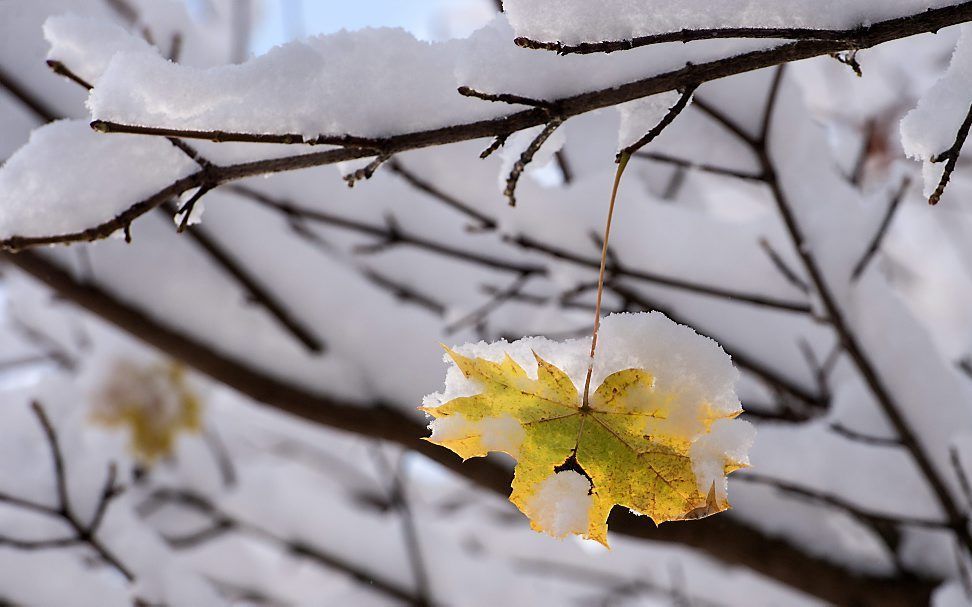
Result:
669,118
367,171
882,230
84,533
412,179
564,165
498,142
626,272
527,157
875,441
705,168
60,69
398,498
963,476
480,314
839,503
951,158
222,522
509,98
788,273
254,290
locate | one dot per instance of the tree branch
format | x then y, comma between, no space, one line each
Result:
854,38
359,147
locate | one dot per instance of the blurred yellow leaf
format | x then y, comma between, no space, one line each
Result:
155,404
616,450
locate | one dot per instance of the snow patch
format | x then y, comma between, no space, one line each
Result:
67,178
930,128
561,505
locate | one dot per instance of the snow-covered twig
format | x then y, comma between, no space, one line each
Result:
857,37
664,123
527,157
951,157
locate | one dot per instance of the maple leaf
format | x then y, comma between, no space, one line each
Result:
625,447
155,404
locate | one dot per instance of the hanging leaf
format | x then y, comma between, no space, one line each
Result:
631,445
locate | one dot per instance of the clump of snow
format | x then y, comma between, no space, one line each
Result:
950,594
693,375
930,128
574,21
69,178
562,504
495,433
640,116
727,440
300,87
86,45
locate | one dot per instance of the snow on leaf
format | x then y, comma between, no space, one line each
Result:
575,462
155,404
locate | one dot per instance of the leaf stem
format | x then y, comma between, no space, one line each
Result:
622,163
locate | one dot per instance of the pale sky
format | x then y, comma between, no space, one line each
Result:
282,20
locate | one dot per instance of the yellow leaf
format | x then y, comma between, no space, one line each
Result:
155,404
623,448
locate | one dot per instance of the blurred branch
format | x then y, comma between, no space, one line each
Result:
222,522
868,370
82,533
216,252
398,498
786,271
392,234
690,164
723,537
616,270
30,101
560,156
614,584
882,230
875,441
254,291
485,222
840,503
124,10
480,314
